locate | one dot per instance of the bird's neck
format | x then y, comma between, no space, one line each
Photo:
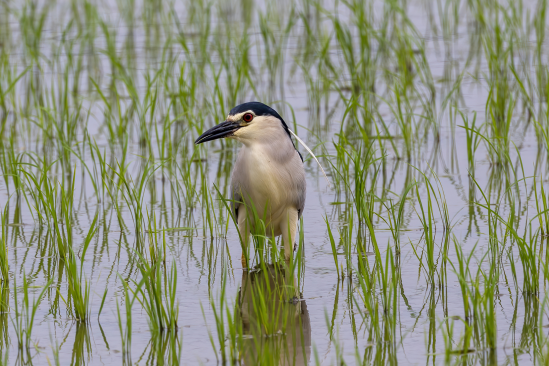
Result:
276,146
270,134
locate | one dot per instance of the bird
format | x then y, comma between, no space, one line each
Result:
268,176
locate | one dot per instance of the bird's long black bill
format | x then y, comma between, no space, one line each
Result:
223,129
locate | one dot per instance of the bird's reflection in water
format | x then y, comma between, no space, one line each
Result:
275,321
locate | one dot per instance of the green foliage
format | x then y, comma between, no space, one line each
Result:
431,119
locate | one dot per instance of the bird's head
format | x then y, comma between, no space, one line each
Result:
247,122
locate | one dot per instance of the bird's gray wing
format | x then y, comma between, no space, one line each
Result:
236,199
301,188
237,182
301,201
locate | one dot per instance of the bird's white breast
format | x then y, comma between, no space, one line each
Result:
269,174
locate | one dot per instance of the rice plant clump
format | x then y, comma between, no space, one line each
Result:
425,230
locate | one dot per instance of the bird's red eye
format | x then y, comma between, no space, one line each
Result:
248,117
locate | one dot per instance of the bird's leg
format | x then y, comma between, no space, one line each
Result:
288,227
244,230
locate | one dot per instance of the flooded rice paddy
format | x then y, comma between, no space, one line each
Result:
428,245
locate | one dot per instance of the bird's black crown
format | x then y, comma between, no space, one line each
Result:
261,109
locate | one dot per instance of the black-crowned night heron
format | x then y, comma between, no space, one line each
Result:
268,174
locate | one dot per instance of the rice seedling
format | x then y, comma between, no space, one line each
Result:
82,349
4,323
134,193
125,324
228,328
25,313
396,217
472,141
79,287
166,348
379,315
333,247
270,322
4,261
157,288
431,118
426,214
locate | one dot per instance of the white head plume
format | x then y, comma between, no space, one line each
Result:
313,155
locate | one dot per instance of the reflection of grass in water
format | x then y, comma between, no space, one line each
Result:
81,351
24,315
269,323
274,318
97,122
166,348
125,323
4,317
157,289
4,261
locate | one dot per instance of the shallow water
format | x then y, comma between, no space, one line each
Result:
327,314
